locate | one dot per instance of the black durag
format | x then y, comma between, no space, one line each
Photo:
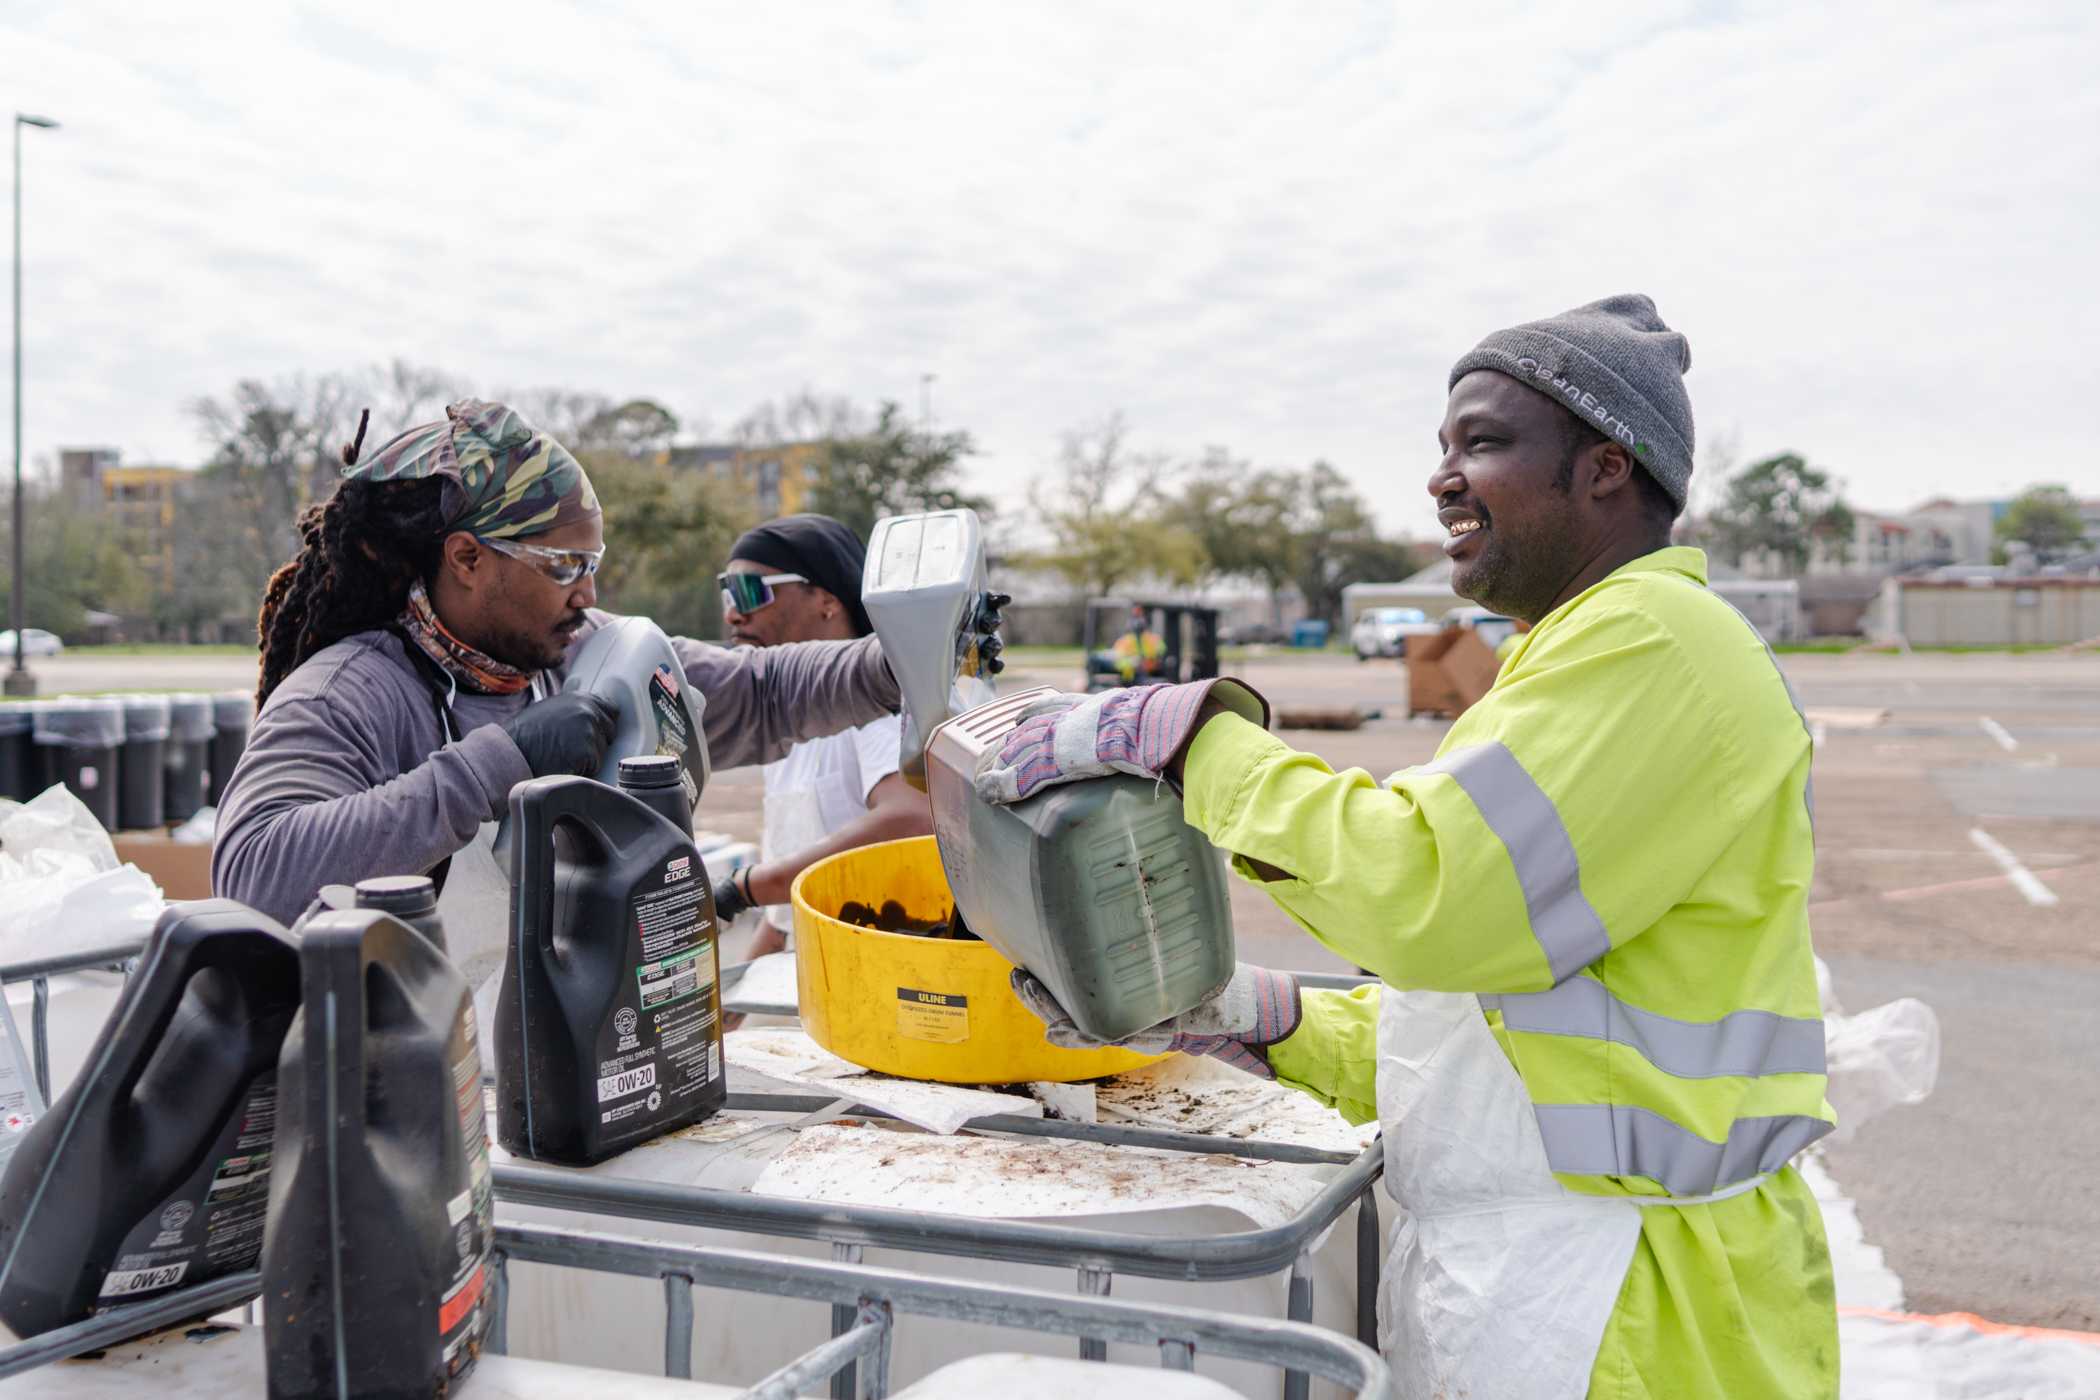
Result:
821,549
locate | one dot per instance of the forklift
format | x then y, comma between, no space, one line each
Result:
1135,641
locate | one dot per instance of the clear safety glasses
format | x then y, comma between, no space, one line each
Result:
563,566
747,593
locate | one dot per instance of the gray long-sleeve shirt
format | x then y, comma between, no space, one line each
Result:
348,773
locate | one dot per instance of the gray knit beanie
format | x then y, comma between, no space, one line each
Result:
1615,365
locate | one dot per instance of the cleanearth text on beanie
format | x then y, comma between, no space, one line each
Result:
1615,365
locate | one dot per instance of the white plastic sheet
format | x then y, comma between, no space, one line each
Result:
786,1055
1012,1376
199,830
769,981
62,884
1897,1356
1194,1094
1034,1178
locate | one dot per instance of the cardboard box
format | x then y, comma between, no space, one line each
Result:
1449,672
181,871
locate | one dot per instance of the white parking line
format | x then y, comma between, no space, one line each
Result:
1997,731
2023,879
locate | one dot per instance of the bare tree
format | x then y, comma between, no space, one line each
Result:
1104,514
565,413
401,395
804,416
275,450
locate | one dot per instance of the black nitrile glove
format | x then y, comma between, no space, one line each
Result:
564,733
732,896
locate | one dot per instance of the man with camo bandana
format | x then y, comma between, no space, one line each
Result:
412,661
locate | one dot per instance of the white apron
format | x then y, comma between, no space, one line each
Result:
474,906
1500,1281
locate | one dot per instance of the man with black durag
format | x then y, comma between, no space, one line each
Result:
797,579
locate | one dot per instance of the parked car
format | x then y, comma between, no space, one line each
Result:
1384,631
1252,634
1492,626
35,642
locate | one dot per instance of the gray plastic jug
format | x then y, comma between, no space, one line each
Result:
924,590
629,661
1100,888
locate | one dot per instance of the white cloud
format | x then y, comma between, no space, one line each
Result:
1268,226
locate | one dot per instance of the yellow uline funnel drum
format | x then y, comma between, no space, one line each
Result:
922,1008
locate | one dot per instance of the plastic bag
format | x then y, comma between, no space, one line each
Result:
62,885
1878,1059
54,832
199,830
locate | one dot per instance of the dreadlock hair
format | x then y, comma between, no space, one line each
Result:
362,549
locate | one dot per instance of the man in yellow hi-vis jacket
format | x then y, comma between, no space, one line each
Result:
1597,1043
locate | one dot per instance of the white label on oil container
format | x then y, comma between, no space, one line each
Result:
142,1280
627,1081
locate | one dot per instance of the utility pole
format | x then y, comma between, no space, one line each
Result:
926,402
19,681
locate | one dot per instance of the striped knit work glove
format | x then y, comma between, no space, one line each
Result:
1236,1024
1139,730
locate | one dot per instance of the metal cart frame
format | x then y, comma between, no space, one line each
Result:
38,972
1096,1256
873,1298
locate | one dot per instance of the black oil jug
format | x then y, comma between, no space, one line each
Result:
410,898
376,1273
152,1171
657,781
609,1019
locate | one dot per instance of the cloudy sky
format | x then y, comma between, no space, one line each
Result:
1271,227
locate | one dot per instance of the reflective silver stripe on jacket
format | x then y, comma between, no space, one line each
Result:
1518,811
1616,1140
1742,1043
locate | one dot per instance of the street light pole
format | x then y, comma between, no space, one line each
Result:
926,401
19,681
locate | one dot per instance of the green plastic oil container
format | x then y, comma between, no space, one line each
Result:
1100,888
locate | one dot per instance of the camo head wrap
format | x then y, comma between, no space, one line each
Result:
504,478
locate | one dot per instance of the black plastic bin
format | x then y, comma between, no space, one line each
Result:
142,785
78,739
188,767
18,761
230,713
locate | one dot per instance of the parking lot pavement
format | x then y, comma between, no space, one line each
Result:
1958,838
80,672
